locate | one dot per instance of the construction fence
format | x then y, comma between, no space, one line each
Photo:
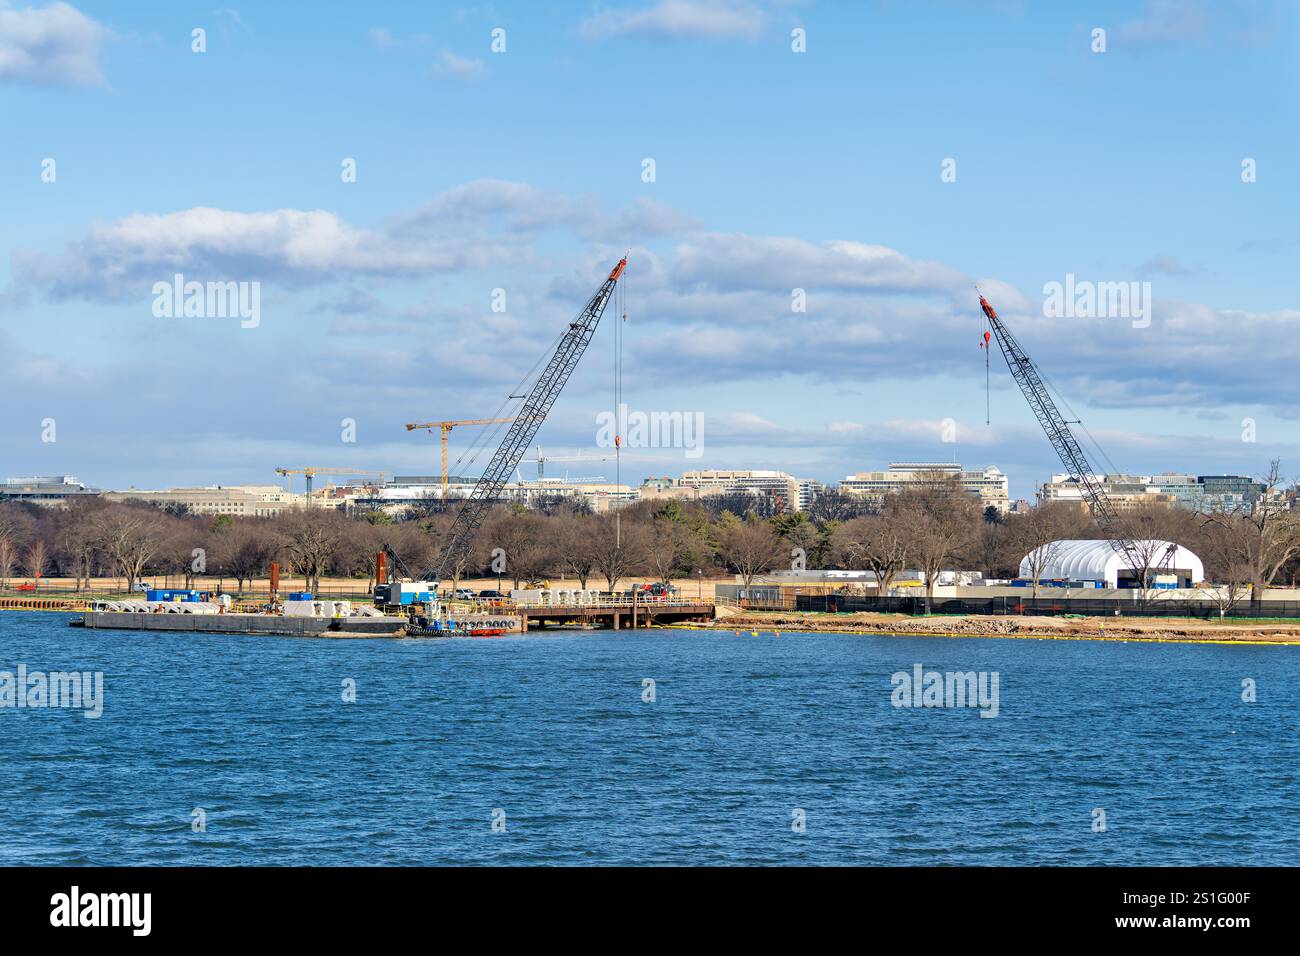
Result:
1046,606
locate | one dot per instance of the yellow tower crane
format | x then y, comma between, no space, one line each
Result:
445,428
310,473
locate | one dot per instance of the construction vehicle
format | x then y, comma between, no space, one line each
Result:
392,591
445,428
310,473
537,402
1067,447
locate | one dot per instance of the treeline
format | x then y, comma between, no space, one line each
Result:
931,528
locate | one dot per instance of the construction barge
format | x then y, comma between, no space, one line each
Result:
237,623
519,620
515,620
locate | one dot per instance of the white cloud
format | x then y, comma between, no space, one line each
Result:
1165,265
462,68
678,19
1191,22
1167,21
468,227
723,261
385,39
872,313
293,246
57,45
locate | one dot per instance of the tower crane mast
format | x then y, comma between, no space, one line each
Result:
1063,441
526,423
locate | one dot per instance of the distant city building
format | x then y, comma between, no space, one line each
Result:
49,490
1195,492
458,480
407,490
990,486
248,501
44,480
598,496
791,493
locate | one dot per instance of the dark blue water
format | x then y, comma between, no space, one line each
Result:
552,730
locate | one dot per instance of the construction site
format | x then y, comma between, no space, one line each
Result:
1101,564
413,604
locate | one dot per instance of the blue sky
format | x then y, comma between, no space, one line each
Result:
522,170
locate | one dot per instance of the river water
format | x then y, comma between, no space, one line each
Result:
548,749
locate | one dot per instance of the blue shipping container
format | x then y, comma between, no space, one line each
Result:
160,594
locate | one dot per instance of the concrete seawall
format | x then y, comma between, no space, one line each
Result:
244,624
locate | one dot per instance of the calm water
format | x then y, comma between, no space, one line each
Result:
552,730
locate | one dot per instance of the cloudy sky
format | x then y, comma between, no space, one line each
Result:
524,170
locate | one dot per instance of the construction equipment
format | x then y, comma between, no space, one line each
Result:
311,473
541,460
1057,428
445,428
523,428
392,591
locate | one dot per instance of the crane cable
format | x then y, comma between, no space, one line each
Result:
486,437
1078,420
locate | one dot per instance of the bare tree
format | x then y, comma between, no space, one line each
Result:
617,547
941,519
1038,535
574,548
245,550
527,540
35,559
750,548
876,543
8,559
1271,534
1227,550
130,536
667,548
78,547
836,505
16,526
310,539
184,548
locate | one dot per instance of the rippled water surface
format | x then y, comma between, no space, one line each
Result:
552,730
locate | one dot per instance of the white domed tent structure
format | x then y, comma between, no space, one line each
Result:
1099,561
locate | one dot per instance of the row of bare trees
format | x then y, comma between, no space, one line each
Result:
930,527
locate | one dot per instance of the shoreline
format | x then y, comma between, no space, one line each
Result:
1136,630
1143,630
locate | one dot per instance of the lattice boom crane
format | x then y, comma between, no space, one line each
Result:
1063,441
526,423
